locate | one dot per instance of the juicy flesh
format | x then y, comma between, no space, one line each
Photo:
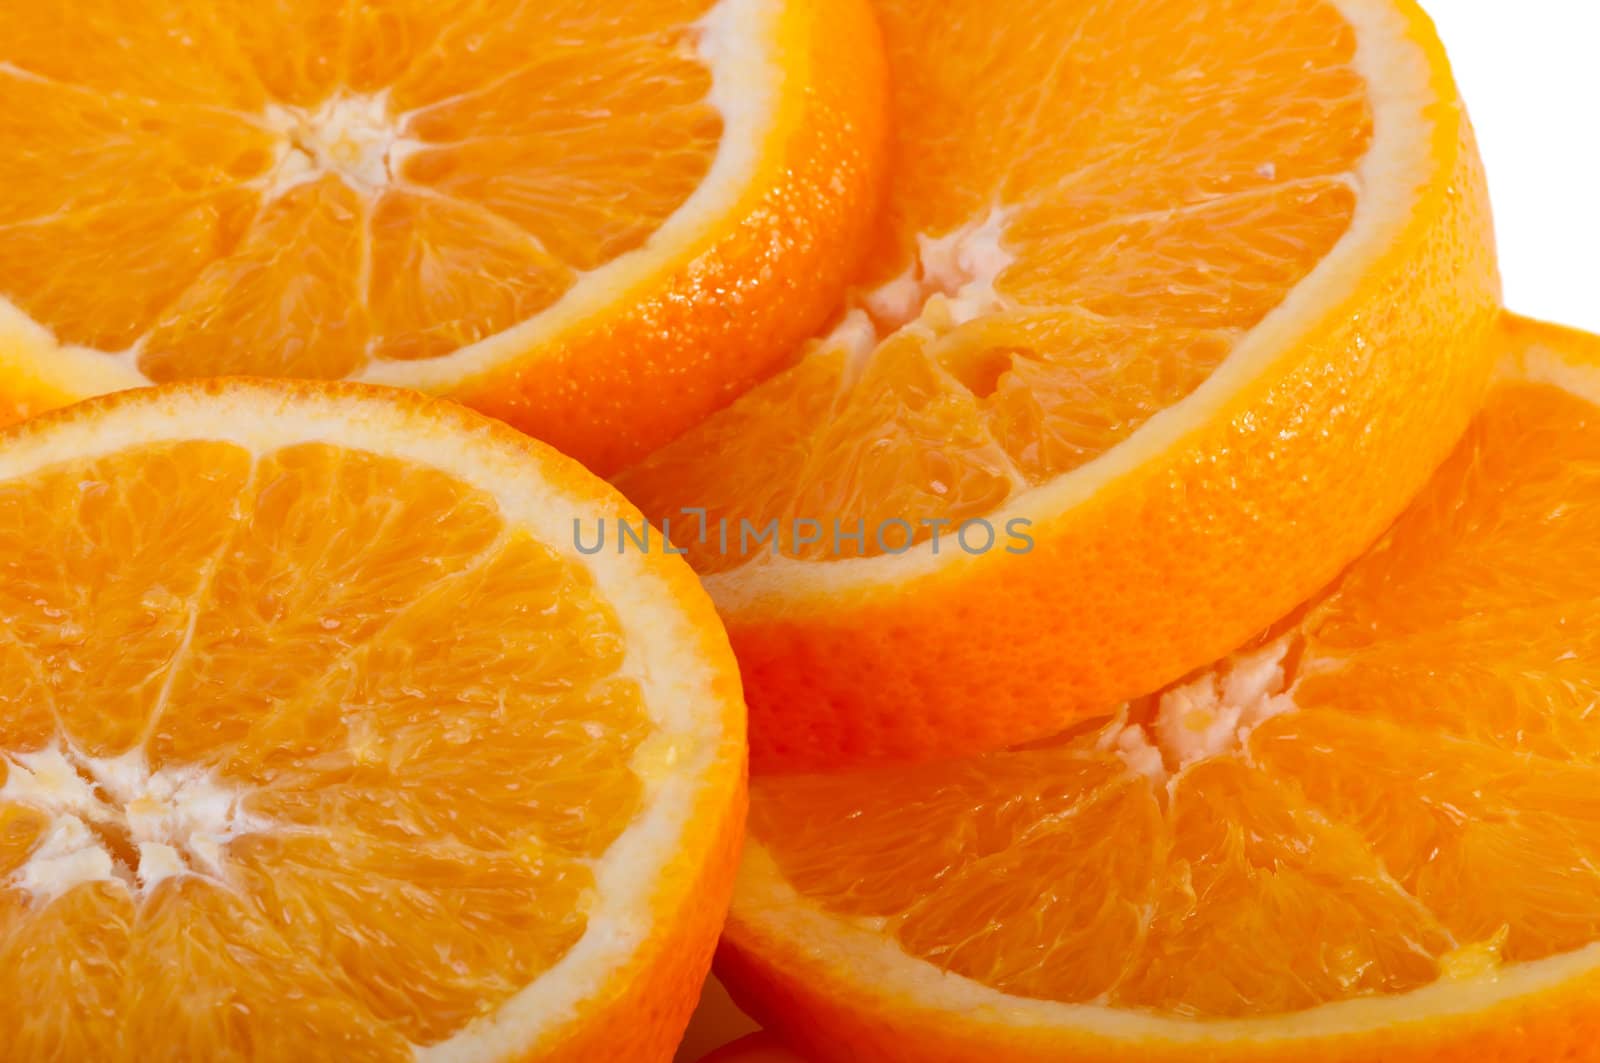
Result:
301,747
1400,788
301,188
1088,215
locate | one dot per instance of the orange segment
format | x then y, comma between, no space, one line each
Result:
79,555
176,52
1263,907
423,939
121,152
1370,836
1136,270
290,287
320,563
278,773
54,1004
1450,815
235,1007
298,50
550,211
155,194
587,191
448,274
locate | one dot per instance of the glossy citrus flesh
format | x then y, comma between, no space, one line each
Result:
1393,792
253,238
364,190
1096,209
1085,263
304,744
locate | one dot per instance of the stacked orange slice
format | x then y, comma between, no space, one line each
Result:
320,738
599,221
320,725
1371,836
1176,309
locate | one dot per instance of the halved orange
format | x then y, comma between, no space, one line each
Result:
1178,307
1372,836
599,221
320,740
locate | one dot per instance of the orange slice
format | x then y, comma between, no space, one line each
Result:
599,221
1175,313
319,738
1372,836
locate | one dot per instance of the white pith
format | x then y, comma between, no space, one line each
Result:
739,43
1406,121
1209,716
648,868
178,819
350,136
950,282
952,278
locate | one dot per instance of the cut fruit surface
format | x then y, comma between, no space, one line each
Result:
1371,836
598,221
319,735
1166,293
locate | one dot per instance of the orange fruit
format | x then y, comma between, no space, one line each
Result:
1173,315
598,221
320,739
1371,836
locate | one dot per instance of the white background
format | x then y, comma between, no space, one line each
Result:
1530,73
